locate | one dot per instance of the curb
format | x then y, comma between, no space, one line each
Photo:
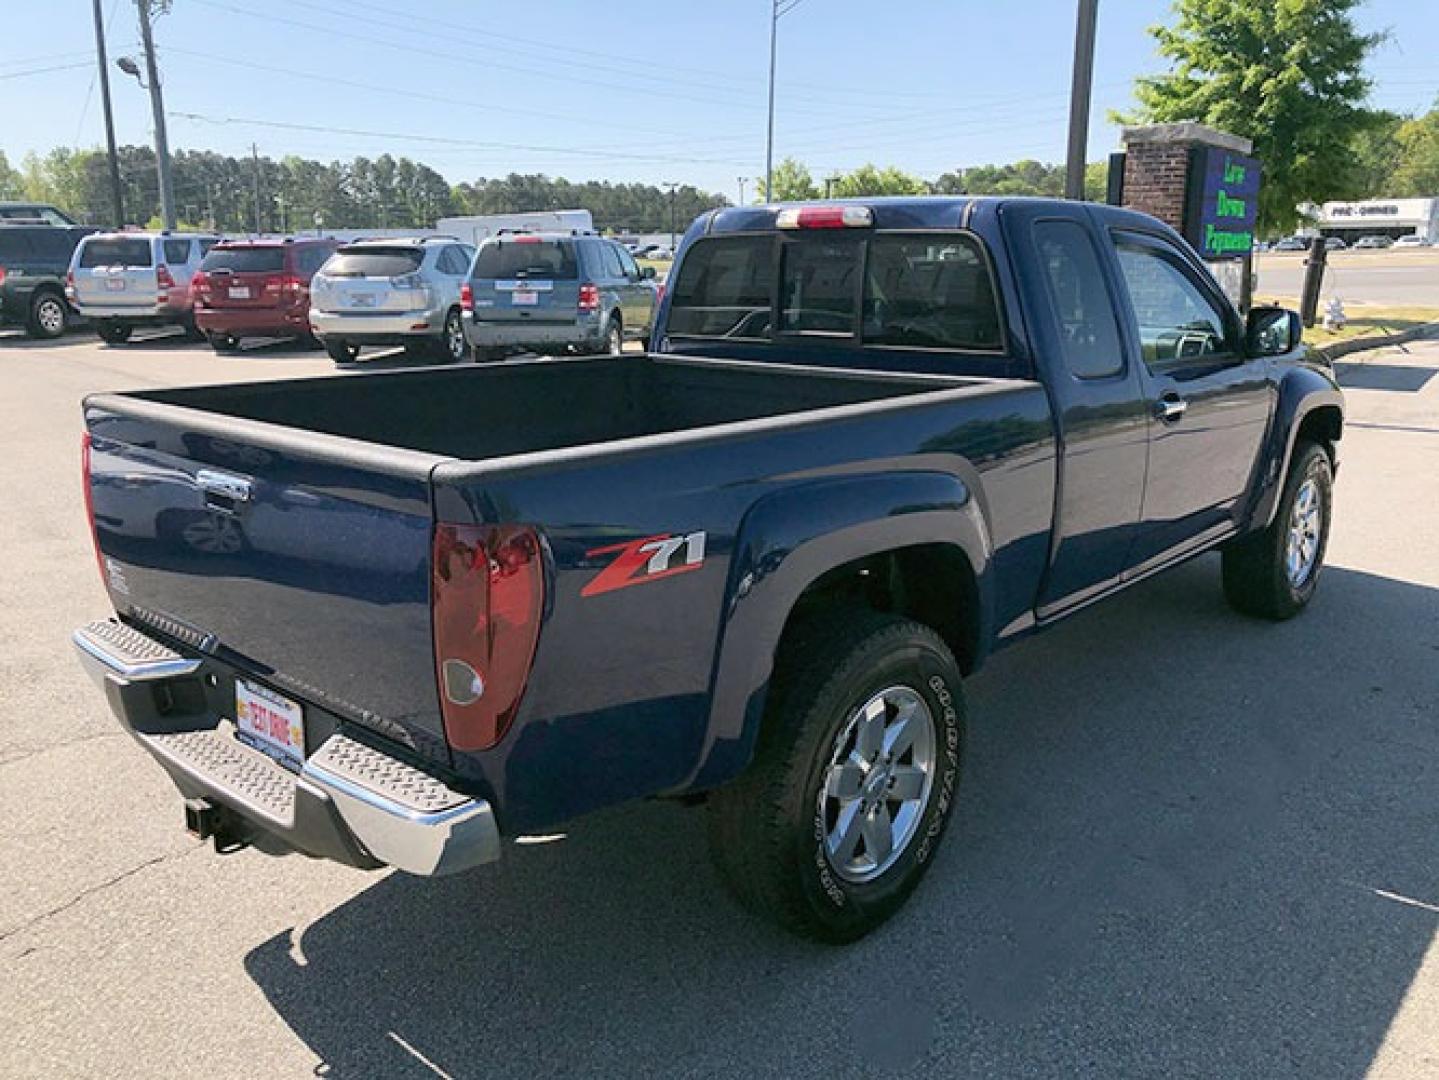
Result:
1375,341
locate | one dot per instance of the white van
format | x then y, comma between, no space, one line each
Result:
477,228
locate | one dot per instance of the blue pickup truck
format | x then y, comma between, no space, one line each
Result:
391,619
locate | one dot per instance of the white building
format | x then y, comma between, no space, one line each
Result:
1380,217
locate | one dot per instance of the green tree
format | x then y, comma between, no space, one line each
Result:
792,182
1417,168
869,180
12,184
1288,74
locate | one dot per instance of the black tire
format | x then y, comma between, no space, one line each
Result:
47,316
342,352
452,346
1257,575
112,333
223,343
192,330
490,355
768,830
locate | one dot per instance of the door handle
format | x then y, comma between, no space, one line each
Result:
1170,408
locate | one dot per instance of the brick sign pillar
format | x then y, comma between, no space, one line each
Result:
1158,173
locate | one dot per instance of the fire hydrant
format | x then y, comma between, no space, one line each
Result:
1334,317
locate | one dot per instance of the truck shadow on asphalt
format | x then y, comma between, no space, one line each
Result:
1167,858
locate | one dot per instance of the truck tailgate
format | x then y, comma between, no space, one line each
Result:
302,559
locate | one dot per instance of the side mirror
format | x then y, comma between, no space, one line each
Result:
1272,331
647,272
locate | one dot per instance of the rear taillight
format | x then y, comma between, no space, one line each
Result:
69,282
85,473
659,295
200,285
487,587
2,275
467,298
589,297
163,278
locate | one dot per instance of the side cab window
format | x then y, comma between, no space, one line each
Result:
1177,316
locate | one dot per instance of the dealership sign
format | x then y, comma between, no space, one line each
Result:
1223,202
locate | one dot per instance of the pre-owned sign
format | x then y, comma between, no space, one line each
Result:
1223,202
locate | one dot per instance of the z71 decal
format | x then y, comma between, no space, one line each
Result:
646,559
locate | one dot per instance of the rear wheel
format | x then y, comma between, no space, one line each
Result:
1273,573
192,331
342,352
453,346
46,318
841,812
614,337
113,333
223,343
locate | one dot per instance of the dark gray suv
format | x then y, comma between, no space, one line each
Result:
556,292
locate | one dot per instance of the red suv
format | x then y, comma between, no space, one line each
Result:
257,288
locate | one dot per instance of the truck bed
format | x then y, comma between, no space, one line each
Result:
287,525
522,408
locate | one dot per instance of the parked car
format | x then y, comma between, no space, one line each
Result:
33,261
392,292
1412,240
1368,242
1291,243
753,569
121,280
660,253
257,288
1334,243
553,292
28,213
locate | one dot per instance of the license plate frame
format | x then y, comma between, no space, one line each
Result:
524,298
115,284
239,292
270,722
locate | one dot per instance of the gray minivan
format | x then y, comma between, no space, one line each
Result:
122,280
556,292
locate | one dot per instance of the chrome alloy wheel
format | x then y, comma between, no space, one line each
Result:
1301,549
50,314
878,783
455,337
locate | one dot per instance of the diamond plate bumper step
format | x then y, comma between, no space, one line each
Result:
350,801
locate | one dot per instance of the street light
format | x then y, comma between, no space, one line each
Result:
777,9
742,181
130,67
671,185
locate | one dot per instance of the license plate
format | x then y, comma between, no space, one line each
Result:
239,292
115,284
520,299
362,299
269,721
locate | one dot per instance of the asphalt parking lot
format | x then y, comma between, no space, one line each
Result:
1188,843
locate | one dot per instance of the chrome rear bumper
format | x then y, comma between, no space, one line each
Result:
350,801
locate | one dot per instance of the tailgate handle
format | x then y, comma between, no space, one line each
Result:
223,491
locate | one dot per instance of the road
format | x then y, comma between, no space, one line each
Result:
1188,843
1391,278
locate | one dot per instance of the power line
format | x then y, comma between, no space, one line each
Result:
44,70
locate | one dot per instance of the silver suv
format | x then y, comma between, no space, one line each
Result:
392,292
122,280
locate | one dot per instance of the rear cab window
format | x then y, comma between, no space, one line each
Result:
177,251
116,251
245,260
374,262
514,259
930,290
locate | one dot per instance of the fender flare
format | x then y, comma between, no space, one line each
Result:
791,538
1302,390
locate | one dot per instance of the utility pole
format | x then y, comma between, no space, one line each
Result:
157,109
769,137
210,206
255,156
284,217
671,185
742,181
117,198
1079,91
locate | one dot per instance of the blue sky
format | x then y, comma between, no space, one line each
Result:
623,91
